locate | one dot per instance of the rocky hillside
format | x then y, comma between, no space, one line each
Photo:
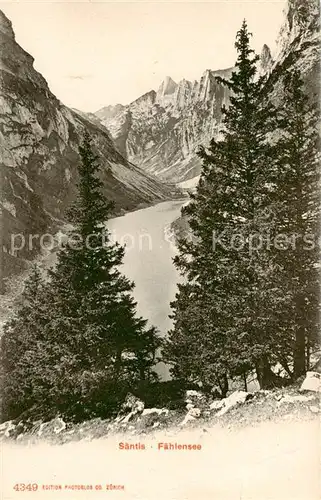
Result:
238,409
298,46
160,131
39,139
263,446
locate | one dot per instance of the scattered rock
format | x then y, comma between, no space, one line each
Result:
152,416
265,392
194,397
132,404
131,408
312,382
236,398
194,394
195,412
188,418
192,415
314,409
217,405
157,411
7,429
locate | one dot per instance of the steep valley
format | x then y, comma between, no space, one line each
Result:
39,140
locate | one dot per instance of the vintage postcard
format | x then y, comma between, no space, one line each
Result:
160,250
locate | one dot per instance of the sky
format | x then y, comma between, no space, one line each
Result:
96,53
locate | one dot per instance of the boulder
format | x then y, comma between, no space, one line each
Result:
195,412
236,398
131,408
7,429
317,367
132,404
153,417
312,382
314,409
195,399
217,405
192,415
155,411
48,429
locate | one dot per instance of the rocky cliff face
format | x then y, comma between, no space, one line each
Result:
298,46
39,139
266,60
161,130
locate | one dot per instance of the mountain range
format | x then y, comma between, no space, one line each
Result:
161,130
156,136
39,140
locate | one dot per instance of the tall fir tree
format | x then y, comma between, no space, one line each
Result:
298,217
23,354
221,264
95,346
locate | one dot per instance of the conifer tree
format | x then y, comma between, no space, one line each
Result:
23,353
298,217
219,264
95,346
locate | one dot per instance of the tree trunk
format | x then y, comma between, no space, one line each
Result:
283,362
299,353
245,381
308,355
142,372
265,376
223,383
299,366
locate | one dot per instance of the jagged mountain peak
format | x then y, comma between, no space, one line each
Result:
6,26
300,12
39,145
148,96
167,87
266,59
14,60
110,111
301,22
185,83
161,137
160,132
266,51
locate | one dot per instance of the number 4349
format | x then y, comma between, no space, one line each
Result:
25,487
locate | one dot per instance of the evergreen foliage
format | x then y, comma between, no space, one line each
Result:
298,216
82,322
234,312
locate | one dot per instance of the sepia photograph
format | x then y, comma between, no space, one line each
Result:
160,233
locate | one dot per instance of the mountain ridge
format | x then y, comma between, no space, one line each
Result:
163,133
39,140
161,130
